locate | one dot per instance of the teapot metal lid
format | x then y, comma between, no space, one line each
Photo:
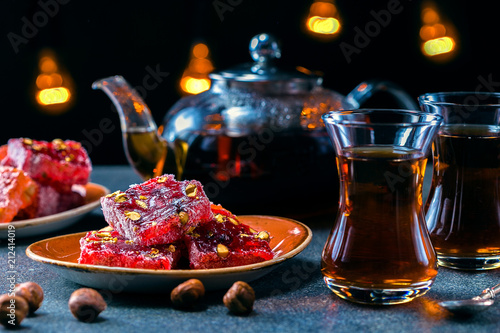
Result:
263,75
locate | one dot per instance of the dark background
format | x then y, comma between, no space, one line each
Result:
94,39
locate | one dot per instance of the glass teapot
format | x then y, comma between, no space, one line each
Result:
255,139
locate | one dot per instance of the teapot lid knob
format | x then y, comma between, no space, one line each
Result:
264,48
262,74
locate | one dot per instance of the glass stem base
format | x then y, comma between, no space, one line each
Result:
377,296
469,263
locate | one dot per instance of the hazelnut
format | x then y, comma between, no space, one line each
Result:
86,304
32,293
13,309
187,294
239,298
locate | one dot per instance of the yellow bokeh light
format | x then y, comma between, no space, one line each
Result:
323,18
53,96
323,25
438,46
195,78
438,36
192,85
52,92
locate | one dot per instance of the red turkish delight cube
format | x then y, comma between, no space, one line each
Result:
74,198
17,191
226,242
4,158
48,201
158,211
106,247
58,163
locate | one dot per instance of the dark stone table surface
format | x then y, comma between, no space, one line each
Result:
292,298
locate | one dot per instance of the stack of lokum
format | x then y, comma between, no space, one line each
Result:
39,178
157,223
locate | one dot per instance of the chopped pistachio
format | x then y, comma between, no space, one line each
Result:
141,204
134,216
183,217
161,179
262,235
112,194
222,250
191,190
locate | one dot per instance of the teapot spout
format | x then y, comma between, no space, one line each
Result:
145,149
366,89
133,111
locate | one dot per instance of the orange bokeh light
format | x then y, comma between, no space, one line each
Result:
195,78
47,65
430,16
437,37
428,32
44,81
200,51
52,86
323,19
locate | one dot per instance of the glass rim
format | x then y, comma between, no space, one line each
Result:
335,117
424,98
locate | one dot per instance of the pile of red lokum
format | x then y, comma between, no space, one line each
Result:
157,223
40,178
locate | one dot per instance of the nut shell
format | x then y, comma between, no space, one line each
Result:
13,309
239,298
187,294
32,293
86,304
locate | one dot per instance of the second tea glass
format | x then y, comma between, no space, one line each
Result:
463,209
379,250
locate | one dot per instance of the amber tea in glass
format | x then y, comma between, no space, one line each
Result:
463,210
379,251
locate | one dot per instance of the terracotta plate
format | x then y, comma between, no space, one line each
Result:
289,238
46,224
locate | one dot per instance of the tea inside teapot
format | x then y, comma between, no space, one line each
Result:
255,139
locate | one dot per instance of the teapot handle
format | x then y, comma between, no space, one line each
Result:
367,88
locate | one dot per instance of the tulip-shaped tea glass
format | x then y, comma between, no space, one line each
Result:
379,250
463,209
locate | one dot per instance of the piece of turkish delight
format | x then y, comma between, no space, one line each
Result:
106,247
74,198
4,158
57,163
17,191
226,242
158,211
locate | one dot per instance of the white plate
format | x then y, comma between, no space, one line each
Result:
46,224
289,238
